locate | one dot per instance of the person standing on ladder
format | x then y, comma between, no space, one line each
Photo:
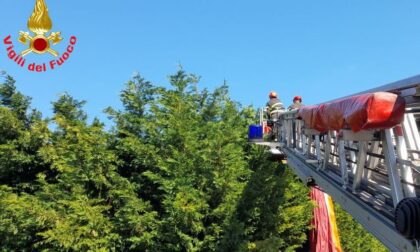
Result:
297,103
296,125
273,108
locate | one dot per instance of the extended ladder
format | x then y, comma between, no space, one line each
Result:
373,174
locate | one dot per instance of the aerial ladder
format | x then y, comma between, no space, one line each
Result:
364,151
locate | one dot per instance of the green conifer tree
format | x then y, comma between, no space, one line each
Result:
174,174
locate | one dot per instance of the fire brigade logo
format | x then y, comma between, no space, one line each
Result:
39,40
40,24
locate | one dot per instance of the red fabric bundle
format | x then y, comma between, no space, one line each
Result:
380,110
324,235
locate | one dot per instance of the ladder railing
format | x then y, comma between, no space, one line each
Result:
390,153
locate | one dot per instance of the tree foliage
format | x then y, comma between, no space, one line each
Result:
353,236
175,173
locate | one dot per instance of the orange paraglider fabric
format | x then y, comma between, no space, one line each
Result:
380,110
324,235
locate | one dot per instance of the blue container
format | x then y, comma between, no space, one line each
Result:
255,133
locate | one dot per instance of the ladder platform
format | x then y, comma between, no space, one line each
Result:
272,145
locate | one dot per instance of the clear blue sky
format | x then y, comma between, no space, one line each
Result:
318,49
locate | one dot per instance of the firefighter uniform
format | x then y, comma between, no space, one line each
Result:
295,105
274,107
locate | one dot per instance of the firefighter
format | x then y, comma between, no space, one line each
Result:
274,106
296,125
297,103
273,109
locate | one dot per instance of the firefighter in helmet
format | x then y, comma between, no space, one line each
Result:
297,103
274,106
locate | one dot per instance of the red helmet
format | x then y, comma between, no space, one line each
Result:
297,98
272,94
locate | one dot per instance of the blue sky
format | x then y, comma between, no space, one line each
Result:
317,49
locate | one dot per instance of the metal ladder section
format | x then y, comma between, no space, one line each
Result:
369,172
